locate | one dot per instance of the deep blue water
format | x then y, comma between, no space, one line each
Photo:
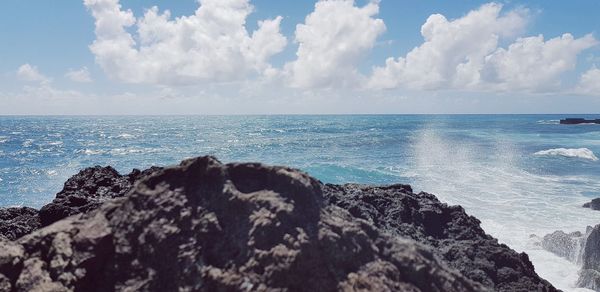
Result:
487,163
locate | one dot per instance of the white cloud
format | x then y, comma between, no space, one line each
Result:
82,75
589,82
31,73
532,64
212,45
332,41
464,54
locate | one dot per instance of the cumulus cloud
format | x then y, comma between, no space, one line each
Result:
532,64
332,41
28,72
82,75
589,82
464,54
212,45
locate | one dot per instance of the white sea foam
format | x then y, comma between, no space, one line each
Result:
27,143
511,203
91,152
119,151
548,122
582,153
125,136
3,139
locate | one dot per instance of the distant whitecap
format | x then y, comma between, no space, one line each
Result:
582,153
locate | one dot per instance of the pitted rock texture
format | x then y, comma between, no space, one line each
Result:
205,226
455,236
18,221
87,190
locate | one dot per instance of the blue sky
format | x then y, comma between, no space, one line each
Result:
49,67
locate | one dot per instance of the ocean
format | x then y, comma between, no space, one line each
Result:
519,174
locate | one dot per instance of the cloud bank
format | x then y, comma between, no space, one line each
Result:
464,54
482,51
212,45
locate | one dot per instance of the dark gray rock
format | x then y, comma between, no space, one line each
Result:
594,204
583,249
83,192
18,221
87,190
205,226
565,245
455,236
589,276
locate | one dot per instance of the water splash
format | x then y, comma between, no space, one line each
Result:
512,203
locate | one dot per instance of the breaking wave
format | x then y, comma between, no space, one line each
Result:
582,153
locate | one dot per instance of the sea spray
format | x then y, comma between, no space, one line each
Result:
490,183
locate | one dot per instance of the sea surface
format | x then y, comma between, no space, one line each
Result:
519,174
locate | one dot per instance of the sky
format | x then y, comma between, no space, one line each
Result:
298,57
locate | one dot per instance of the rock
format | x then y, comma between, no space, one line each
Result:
87,190
579,248
18,221
455,236
83,192
565,245
589,276
205,226
594,204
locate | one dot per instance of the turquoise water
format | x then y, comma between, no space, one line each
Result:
510,171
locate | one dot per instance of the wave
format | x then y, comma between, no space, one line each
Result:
119,151
548,122
493,184
582,153
123,136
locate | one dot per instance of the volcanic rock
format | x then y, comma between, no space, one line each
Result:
18,221
213,227
594,204
455,236
207,226
589,276
87,190
565,245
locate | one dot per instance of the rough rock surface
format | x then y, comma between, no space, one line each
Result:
589,276
583,249
81,193
18,221
87,190
594,204
565,245
208,226
455,236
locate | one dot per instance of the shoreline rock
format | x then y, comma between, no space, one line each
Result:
594,204
579,248
204,225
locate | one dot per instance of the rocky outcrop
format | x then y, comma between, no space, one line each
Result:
589,276
455,236
83,192
209,226
594,204
18,221
583,249
565,245
87,190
